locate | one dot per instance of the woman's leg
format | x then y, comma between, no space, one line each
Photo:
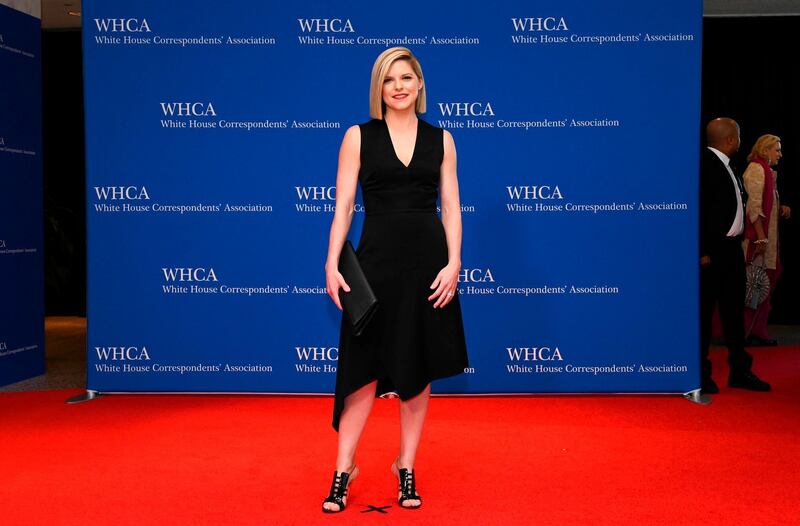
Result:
412,419
357,407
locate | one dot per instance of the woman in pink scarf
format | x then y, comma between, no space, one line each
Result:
761,228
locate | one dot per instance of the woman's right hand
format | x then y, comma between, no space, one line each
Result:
333,282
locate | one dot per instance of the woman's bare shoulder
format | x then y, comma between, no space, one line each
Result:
352,138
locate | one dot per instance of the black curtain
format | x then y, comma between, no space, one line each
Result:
64,181
750,74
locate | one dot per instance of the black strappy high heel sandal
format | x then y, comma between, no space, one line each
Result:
407,487
339,486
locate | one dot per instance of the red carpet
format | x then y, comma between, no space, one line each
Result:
173,460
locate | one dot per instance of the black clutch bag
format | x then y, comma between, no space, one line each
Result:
360,303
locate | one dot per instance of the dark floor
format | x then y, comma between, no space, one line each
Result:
65,345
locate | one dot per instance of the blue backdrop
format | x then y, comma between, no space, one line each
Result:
21,227
212,140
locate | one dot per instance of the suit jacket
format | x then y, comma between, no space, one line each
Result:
717,201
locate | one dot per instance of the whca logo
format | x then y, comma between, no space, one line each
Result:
189,274
188,109
466,109
539,23
122,25
326,25
317,354
121,193
534,192
316,193
122,353
534,354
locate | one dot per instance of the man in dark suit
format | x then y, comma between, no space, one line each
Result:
722,270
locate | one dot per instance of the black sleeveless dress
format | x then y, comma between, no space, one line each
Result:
408,343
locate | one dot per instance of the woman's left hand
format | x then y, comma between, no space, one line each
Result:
786,212
445,285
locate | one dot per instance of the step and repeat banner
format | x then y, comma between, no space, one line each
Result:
212,140
21,224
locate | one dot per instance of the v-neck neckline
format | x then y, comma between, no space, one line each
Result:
394,150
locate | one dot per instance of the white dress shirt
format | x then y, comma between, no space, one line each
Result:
738,222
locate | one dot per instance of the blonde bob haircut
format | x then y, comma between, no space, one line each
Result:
379,70
763,143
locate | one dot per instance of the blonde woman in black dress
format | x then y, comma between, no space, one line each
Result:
412,259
